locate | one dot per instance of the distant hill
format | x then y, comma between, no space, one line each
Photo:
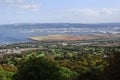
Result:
59,25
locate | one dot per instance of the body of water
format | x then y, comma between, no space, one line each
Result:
13,35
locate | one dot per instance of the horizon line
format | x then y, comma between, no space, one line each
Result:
62,23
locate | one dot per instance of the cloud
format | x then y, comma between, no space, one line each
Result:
93,12
32,7
109,11
21,4
88,15
20,1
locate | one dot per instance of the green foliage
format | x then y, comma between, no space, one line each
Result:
113,70
5,75
41,69
2,74
84,62
67,73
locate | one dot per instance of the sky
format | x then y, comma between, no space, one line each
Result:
59,11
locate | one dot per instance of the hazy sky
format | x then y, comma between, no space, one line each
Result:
59,11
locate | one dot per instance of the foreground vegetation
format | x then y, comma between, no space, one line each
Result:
51,61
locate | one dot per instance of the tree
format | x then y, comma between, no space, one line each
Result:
39,69
2,74
113,70
5,75
67,74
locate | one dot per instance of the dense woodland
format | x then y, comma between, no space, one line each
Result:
61,62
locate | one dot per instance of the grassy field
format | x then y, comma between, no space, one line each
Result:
71,37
